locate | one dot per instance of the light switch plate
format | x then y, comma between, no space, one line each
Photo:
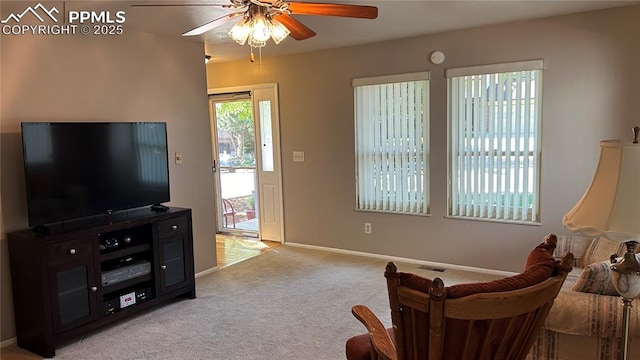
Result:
298,156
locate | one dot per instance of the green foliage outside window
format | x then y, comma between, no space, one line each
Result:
235,118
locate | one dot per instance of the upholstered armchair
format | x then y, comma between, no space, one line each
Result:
586,319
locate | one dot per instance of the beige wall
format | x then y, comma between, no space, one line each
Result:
134,77
591,93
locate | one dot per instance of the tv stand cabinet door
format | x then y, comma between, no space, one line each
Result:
73,284
176,254
173,265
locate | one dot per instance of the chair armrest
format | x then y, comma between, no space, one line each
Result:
584,314
380,339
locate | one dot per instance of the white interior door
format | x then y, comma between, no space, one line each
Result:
265,107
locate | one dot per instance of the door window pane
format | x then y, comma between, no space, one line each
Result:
236,156
236,147
266,136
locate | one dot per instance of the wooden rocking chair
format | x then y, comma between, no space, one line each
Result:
480,321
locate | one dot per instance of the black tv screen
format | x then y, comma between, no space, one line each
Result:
77,170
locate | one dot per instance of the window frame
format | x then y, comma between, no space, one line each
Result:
407,205
505,212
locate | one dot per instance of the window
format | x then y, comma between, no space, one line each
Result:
266,135
494,114
392,143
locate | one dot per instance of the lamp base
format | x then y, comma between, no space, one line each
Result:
626,272
626,317
625,276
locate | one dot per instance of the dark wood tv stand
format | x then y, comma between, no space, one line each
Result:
78,278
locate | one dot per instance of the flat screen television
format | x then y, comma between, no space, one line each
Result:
79,170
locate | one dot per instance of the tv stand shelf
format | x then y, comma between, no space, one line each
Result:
76,279
125,252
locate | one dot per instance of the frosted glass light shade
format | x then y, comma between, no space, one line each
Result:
278,31
611,205
240,31
260,28
255,43
257,26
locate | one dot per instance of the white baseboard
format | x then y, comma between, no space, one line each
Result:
206,272
406,260
8,342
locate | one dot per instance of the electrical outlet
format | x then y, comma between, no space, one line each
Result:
367,228
298,156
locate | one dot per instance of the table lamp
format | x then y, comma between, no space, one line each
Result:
611,208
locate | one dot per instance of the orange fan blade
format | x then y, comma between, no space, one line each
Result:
213,24
299,31
355,11
182,5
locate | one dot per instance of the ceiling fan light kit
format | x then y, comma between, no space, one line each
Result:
256,27
272,19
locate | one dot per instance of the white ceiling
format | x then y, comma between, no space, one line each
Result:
396,19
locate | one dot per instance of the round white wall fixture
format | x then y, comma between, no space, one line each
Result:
437,57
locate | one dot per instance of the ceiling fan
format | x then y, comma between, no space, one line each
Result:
262,19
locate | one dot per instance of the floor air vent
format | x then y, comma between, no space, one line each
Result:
431,268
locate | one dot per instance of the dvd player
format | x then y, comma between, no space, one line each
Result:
125,273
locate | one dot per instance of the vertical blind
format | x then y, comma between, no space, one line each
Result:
391,126
494,141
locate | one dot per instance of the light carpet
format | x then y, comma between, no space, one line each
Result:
288,303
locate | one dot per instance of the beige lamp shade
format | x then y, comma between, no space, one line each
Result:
611,205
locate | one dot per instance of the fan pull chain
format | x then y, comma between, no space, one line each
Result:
252,58
261,73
